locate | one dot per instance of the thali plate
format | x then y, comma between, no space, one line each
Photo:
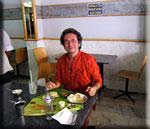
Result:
77,98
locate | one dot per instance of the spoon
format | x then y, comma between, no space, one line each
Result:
18,102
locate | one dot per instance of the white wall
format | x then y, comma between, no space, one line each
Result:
18,43
11,3
57,2
40,28
112,27
33,67
14,27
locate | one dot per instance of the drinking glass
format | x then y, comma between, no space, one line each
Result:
32,88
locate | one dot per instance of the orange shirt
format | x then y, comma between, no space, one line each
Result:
84,72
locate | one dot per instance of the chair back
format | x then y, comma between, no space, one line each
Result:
40,55
143,65
21,55
47,71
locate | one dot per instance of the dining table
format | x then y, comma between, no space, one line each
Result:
102,60
11,119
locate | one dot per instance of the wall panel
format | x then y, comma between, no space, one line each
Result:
127,27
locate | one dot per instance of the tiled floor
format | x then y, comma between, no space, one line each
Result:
119,113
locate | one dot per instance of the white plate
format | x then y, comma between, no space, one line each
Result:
77,98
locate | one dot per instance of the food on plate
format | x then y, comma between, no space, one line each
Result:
62,104
64,93
32,102
71,105
71,98
54,94
38,107
77,98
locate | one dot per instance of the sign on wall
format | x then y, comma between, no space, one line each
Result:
95,9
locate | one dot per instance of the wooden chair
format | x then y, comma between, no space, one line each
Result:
19,57
40,55
47,71
130,75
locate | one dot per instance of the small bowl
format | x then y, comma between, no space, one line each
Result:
17,92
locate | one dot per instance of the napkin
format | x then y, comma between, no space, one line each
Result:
66,117
41,82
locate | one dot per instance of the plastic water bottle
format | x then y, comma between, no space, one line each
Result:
48,106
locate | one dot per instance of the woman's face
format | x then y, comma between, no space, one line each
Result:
71,43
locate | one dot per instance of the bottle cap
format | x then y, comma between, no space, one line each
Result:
47,99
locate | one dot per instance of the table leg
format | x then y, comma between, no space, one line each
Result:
101,66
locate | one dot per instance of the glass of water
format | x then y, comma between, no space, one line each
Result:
32,88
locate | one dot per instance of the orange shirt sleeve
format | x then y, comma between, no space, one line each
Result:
95,72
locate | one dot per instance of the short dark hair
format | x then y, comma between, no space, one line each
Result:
71,30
